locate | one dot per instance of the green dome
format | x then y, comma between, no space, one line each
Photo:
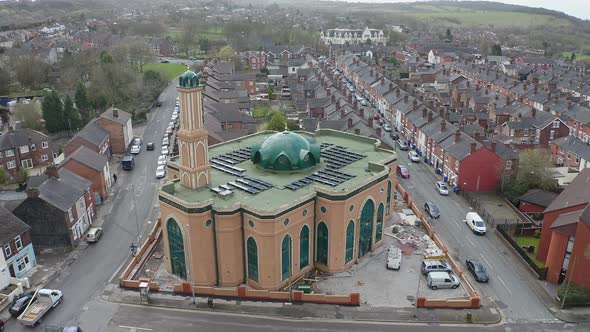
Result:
286,151
189,80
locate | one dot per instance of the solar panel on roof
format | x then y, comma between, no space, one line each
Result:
243,188
268,184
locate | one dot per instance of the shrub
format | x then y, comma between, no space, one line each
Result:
537,233
576,295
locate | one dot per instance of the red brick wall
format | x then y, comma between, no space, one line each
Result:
555,256
25,240
115,134
548,220
531,208
76,143
581,273
97,178
562,131
479,171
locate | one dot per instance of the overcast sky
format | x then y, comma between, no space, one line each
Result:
577,8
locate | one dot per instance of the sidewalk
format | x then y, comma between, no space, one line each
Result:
483,315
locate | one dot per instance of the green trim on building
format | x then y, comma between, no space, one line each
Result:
366,231
304,247
176,248
323,239
286,257
349,250
252,259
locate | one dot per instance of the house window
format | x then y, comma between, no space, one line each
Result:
55,155
23,263
71,215
24,149
10,153
556,124
27,163
0,154
44,145
552,134
456,164
509,164
526,132
18,243
44,157
11,164
33,147
7,251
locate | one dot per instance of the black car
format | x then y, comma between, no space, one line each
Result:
149,146
432,210
20,303
477,269
394,135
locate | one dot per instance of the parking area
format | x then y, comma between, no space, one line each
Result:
381,287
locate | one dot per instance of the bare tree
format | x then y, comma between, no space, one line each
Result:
140,53
30,71
187,37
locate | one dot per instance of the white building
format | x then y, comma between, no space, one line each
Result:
352,36
53,28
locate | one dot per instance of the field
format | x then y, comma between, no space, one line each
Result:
579,56
214,33
168,70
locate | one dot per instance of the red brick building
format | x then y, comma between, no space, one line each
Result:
25,149
118,124
536,201
93,137
93,167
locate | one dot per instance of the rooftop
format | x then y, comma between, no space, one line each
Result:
357,172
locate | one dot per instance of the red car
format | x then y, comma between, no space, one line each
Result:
403,171
376,116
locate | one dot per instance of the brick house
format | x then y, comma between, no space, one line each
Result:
25,149
536,201
256,60
59,208
570,151
162,46
93,167
93,137
15,241
118,124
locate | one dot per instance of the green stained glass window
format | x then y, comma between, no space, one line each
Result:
252,259
366,230
379,227
304,247
286,257
322,246
349,241
176,246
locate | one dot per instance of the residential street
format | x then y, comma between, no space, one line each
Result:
99,263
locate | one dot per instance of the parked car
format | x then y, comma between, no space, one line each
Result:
162,160
165,151
434,265
394,135
387,127
442,188
364,102
160,171
46,299
394,258
169,130
477,270
474,221
432,210
376,116
403,171
137,141
165,141
413,156
174,116
20,303
135,149
402,145
164,61
128,162
94,234
149,146
436,280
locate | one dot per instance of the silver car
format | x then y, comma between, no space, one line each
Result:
442,188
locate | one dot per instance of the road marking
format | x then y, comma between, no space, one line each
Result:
473,244
133,328
490,265
117,270
456,223
506,286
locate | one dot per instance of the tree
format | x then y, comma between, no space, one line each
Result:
30,71
484,47
139,54
226,52
81,100
293,125
496,49
204,44
187,37
533,173
71,115
4,176
52,107
395,37
449,36
29,115
573,57
264,70
4,82
276,122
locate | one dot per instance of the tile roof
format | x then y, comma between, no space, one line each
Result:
574,145
63,192
565,219
576,193
10,226
93,133
20,137
88,157
538,197
121,118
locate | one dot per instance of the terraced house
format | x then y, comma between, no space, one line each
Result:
267,208
25,149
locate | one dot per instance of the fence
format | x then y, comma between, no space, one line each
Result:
504,231
488,217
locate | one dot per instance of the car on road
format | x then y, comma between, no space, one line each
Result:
434,265
165,151
174,116
20,303
165,141
403,171
442,188
376,116
149,146
474,221
137,141
402,145
477,270
162,159
432,210
172,124
413,156
94,234
169,130
394,135
135,149
387,127
364,102
164,61
160,172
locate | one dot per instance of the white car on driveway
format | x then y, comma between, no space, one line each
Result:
413,156
442,188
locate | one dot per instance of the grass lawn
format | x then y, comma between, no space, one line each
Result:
168,70
527,241
260,111
579,56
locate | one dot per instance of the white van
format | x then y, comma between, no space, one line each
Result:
474,221
436,280
394,258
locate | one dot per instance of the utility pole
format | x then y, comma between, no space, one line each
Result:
190,263
135,210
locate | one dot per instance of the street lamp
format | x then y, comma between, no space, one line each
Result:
190,258
135,211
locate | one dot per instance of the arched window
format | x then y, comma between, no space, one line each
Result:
252,251
304,247
366,228
322,247
388,207
176,246
349,241
286,257
379,227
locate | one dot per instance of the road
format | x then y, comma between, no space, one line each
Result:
98,264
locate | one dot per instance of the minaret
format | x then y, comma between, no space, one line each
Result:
192,135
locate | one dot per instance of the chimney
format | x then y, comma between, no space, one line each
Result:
390,86
350,98
507,99
349,123
355,104
431,104
535,90
468,83
443,124
337,104
487,92
362,112
421,99
115,113
477,136
493,147
328,91
556,98
397,92
477,87
405,99
382,80
32,192
473,146
548,96
429,116
496,97
51,171
505,79
424,112
414,105
457,136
